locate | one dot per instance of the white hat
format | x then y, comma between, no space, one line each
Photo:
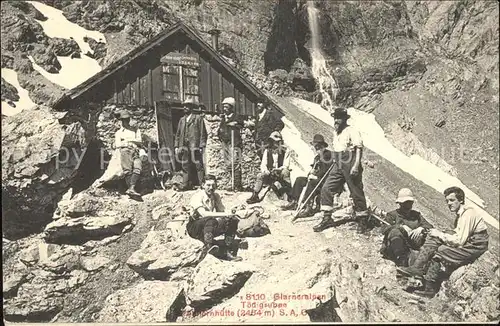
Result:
191,101
404,194
276,136
229,100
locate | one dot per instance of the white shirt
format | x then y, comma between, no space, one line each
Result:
286,161
347,140
125,137
201,200
469,222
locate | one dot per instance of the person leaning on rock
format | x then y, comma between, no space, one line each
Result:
467,243
190,141
209,219
128,140
322,162
407,230
347,147
274,168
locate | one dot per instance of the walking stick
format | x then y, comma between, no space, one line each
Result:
312,192
303,192
232,159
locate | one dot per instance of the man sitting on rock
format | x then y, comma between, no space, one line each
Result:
128,140
407,230
467,243
322,162
209,219
274,167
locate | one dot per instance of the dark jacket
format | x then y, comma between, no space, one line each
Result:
224,132
193,133
269,123
270,160
413,220
322,163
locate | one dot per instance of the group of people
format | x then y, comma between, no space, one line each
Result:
418,249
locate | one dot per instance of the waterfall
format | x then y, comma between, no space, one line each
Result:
327,84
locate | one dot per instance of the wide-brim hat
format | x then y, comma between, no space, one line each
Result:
190,101
276,136
230,101
319,139
340,113
123,114
405,195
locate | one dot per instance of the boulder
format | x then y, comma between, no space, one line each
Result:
146,302
40,158
63,47
161,254
215,281
9,92
94,263
12,281
80,205
63,261
82,229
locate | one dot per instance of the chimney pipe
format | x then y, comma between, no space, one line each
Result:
215,38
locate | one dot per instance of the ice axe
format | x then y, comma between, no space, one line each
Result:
295,216
303,193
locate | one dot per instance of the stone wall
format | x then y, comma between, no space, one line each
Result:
214,162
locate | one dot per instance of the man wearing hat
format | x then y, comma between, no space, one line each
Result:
322,162
128,140
406,232
347,147
274,168
190,141
230,128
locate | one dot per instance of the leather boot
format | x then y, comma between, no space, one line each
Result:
289,206
229,242
362,224
326,222
431,280
133,180
429,291
418,267
253,199
306,212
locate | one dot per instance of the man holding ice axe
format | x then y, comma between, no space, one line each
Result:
230,135
303,187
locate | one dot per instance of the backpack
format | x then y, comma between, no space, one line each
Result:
252,226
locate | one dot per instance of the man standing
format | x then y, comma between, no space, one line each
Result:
128,140
190,141
267,122
274,167
322,162
467,243
407,230
347,147
209,219
230,135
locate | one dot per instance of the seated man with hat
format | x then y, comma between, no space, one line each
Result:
190,141
128,140
322,162
407,230
274,167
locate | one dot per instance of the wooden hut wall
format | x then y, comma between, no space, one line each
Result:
140,83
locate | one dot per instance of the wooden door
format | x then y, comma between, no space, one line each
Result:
165,136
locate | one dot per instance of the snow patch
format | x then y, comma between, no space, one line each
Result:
374,139
24,103
57,25
301,163
73,72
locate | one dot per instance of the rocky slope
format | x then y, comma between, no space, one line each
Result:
51,278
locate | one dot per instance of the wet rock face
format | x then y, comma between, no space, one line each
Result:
40,159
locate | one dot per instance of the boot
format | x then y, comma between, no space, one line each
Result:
306,212
362,224
253,199
431,277
326,222
289,206
131,190
418,267
429,291
229,242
